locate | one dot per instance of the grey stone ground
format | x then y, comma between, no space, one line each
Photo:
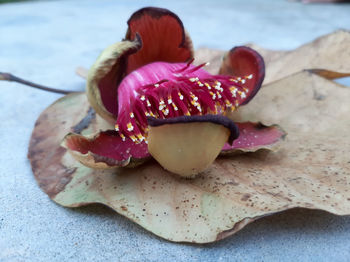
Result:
44,41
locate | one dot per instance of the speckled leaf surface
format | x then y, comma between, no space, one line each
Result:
311,169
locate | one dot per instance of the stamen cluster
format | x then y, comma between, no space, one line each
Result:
184,93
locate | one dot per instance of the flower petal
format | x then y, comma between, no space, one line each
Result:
105,150
243,62
105,76
187,145
255,136
154,34
163,38
166,90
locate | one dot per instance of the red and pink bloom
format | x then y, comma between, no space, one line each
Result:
164,106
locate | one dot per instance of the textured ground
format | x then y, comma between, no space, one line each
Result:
45,41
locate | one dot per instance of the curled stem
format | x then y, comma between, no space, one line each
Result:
10,77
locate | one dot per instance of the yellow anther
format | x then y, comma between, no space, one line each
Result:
130,127
199,83
166,111
233,91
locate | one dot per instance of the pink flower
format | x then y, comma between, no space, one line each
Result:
164,106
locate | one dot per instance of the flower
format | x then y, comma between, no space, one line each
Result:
164,106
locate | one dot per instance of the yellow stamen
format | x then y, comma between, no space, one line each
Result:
130,127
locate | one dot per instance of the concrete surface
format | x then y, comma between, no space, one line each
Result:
45,40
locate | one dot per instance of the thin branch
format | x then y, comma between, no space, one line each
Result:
10,77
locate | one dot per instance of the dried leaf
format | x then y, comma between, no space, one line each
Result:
329,52
328,74
201,57
311,170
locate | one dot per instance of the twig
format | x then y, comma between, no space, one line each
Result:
10,77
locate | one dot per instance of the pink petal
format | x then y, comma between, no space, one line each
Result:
165,90
253,136
107,147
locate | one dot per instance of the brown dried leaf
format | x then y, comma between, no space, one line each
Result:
201,57
331,52
328,74
311,170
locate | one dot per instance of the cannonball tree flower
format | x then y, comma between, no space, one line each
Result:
163,106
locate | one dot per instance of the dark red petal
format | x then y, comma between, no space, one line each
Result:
254,136
107,147
242,61
163,38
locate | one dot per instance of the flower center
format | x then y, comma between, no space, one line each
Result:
165,90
